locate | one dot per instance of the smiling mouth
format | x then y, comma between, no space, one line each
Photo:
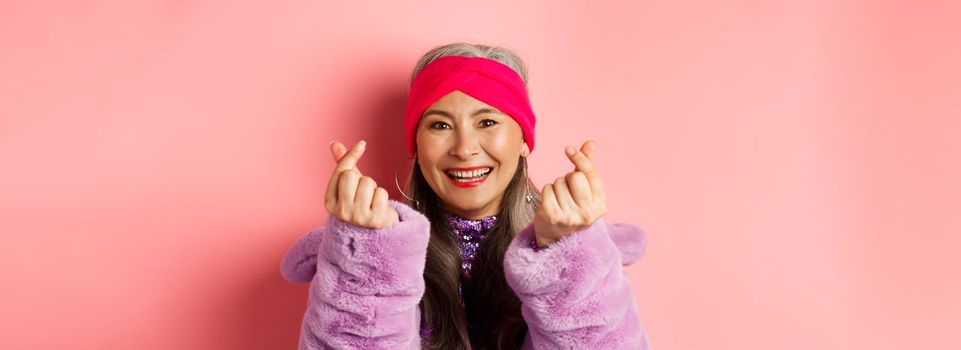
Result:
469,176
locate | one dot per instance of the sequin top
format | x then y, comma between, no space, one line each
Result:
468,234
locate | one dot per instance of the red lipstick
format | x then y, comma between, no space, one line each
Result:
471,168
469,184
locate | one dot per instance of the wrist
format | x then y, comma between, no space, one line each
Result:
543,241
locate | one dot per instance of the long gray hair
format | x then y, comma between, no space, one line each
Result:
490,304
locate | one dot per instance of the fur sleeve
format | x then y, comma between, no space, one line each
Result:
368,285
574,293
300,262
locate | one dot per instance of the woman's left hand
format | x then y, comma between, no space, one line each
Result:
574,201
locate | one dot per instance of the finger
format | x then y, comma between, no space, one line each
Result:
563,195
364,195
379,203
586,166
349,161
581,162
330,197
347,187
589,149
379,209
337,150
580,189
549,201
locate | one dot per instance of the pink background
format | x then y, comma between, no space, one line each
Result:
795,163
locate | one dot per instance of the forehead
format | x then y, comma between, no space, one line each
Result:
457,101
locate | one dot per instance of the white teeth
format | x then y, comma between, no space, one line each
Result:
469,174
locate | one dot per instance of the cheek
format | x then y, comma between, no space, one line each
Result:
428,149
504,146
426,164
508,139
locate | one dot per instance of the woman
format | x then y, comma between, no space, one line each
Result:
477,257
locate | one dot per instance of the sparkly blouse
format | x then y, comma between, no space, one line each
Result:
468,234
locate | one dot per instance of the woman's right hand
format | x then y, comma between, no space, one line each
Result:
352,197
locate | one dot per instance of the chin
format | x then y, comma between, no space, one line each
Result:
466,204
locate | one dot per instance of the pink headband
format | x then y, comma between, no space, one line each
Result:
487,80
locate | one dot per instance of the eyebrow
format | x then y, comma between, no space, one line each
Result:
479,111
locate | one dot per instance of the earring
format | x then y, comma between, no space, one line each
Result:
398,182
529,197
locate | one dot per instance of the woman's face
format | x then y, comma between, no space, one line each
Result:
461,132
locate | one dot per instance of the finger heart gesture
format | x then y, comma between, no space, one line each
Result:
574,201
353,197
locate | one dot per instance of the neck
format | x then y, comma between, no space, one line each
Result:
473,214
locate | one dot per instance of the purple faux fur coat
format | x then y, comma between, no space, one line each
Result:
366,285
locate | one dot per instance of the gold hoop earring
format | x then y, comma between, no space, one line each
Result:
396,182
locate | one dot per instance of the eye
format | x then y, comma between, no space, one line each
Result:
492,122
435,124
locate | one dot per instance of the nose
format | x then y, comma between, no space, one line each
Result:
465,144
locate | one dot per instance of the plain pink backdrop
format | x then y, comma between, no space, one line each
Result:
795,163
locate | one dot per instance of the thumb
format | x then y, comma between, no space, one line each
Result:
337,150
589,149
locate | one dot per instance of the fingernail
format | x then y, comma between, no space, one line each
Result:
569,150
331,143
363,143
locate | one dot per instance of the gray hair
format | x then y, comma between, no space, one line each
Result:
488,298
522,184
499,54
